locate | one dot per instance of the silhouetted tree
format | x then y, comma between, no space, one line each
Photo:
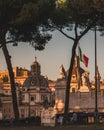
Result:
33,20
20,20
78,16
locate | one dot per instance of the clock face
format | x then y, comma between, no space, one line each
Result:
33,82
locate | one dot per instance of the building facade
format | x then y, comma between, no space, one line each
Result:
20,74
32,95
35,92
82,91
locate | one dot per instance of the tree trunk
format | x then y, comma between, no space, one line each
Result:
67,95
11,74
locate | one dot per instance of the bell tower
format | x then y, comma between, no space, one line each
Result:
35,68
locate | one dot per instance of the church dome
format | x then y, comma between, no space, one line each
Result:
35,78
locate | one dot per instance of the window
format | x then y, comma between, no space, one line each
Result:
32,98
74,77
6,91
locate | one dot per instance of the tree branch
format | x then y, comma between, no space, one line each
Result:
7,42
86,30
76,34
10,41
66,34
60,30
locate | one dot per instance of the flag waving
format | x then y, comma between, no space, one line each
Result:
83,58
80,54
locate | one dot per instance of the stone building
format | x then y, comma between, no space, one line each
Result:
82,91
35,93
7,107
20,74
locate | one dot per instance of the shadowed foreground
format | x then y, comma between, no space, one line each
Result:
71,127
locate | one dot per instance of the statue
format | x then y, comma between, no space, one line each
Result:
85,79
62,72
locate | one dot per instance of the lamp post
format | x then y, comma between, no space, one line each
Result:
96,99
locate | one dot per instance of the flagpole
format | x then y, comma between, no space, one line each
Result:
78,64
96,102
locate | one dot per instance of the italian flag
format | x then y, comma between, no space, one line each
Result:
83,58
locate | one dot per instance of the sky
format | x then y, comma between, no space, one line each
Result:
57,52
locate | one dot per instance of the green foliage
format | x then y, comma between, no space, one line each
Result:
41,40
45,10
28,15
32,20
79,16
23,20
60,17
83,13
